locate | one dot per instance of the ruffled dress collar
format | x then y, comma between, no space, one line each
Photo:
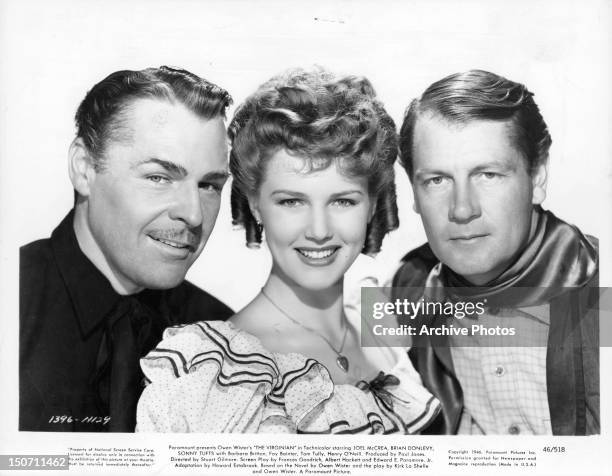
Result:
214,377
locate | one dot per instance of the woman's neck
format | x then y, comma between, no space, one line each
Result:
321,309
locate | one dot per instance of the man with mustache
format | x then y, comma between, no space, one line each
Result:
475,148
148,164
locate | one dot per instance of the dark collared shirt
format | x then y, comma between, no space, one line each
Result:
65,346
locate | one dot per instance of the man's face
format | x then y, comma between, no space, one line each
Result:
474,193
153,205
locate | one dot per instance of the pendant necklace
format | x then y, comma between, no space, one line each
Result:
341,360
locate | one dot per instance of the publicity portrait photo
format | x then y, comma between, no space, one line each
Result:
226,221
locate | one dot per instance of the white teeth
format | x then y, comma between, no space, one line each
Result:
317,254
170,243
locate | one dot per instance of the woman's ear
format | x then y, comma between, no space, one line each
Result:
254,207
372,211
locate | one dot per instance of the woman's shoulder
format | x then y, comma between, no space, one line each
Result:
184,349
212,376
215,377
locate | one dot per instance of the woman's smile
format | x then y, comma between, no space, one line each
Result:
315,222
318,256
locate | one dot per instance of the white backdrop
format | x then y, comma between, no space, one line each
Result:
53,52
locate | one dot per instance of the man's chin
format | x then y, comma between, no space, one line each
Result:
161,282
475,275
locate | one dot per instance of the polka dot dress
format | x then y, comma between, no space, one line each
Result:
211,377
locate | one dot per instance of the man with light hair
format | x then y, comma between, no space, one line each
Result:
475,147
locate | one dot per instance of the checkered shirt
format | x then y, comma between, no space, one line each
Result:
504,388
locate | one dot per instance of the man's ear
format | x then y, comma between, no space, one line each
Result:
415,204
80,167
539,179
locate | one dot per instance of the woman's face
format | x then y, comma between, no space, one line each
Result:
315,222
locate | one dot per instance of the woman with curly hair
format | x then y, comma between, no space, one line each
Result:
312,164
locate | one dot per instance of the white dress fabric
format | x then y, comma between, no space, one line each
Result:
212,377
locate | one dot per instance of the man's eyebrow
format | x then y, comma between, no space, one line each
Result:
505,165
479,168
166,164
420,172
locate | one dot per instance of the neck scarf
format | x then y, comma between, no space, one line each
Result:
132,329
557,256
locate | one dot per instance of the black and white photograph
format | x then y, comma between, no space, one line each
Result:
226,221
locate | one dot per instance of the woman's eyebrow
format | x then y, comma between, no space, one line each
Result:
293,193
347,192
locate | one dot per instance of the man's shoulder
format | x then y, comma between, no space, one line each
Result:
415,267
193,304
410,278
590,248
36,261
36,252
594,241
40,288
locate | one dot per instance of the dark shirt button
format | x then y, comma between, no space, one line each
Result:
500,370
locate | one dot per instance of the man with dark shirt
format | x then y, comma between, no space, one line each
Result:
147,165
475,148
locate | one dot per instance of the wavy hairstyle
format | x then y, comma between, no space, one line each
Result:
101,115
324,119
480,95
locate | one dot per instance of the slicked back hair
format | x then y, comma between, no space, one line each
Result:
480,95
100,116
